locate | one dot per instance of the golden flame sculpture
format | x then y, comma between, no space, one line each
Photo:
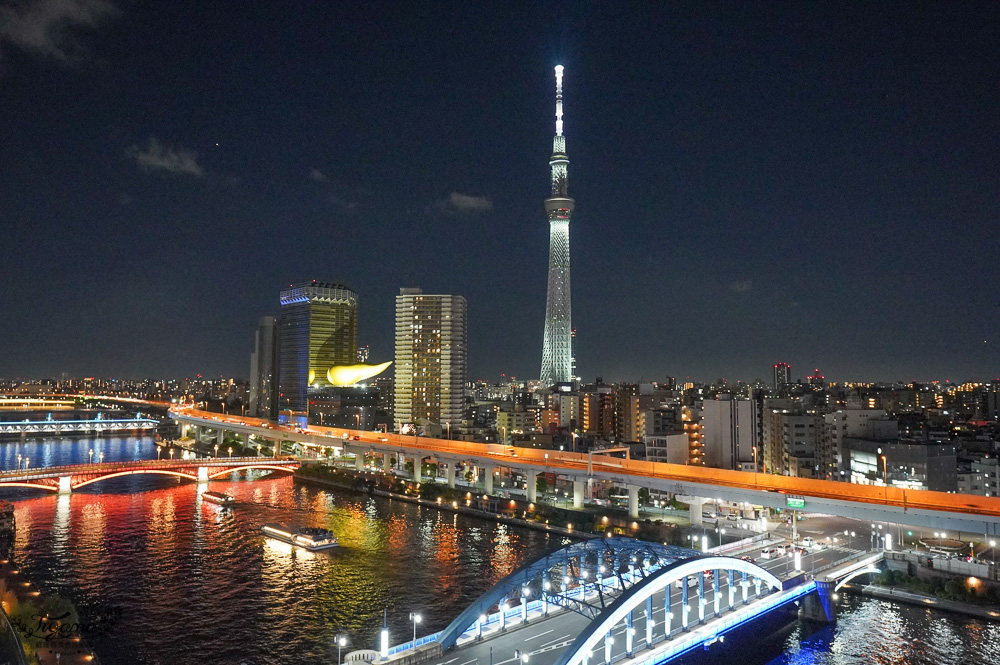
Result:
348,375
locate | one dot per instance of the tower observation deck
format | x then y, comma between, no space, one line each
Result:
557,352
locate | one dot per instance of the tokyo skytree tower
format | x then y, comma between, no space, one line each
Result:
557,363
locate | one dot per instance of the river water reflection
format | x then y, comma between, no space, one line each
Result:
196,584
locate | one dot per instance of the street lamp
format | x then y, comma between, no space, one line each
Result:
885,471
19,461
158,450
341,641
171,454
100,457
415,618
27,463
448,425
993,551
230,452
216,451
91,455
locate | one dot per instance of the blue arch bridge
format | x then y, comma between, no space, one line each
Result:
615,600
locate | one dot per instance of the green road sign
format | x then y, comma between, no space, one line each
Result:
795,502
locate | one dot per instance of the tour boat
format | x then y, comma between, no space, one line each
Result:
310,538
219,498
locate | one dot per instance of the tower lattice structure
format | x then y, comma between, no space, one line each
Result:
557,345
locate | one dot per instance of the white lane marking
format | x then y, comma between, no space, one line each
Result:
469,662
528,639
558,639
450,661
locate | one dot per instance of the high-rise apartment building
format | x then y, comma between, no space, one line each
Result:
782,375
558,364
730,429
431,360
264,370
318,331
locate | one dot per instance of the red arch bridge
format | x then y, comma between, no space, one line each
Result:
72,477
615,600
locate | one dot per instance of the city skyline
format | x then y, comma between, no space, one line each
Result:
761,184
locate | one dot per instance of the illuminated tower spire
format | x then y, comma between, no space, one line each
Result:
557,352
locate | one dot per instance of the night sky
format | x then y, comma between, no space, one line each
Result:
755,182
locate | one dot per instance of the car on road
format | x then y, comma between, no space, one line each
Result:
770,553
749,559
693,580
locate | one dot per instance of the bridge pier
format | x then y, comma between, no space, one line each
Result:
64,484
450,474
532,486
633,501
608,641
417,463
220,437
577,493
488,479
732,589
359,461
819,606
695,506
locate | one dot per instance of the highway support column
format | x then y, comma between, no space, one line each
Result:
695,507
633,501
532,488
577,493
488,479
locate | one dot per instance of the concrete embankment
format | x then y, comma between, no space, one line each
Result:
903,595
453,508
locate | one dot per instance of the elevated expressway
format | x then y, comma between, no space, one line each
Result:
919,508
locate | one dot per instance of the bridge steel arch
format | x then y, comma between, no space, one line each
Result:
629,556
115,474
272,467
37,486
857,573
594,633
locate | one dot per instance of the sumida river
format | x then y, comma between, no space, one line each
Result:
188,582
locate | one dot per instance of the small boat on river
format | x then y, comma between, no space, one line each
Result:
309,538
218,497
